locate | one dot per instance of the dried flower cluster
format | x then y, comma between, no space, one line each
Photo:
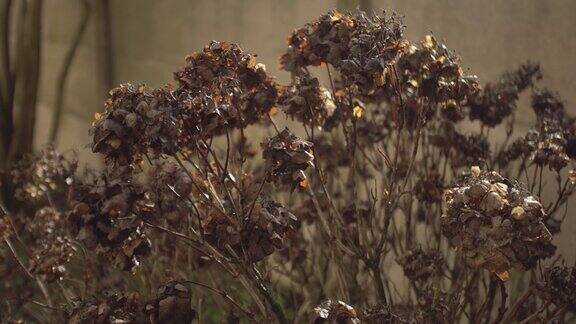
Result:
390,201
105,218
223,88
419,265
558,286
44,177
287,157
332,312
495,225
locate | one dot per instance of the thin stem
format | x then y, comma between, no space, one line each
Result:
64,73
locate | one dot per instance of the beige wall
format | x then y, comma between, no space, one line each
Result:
151,38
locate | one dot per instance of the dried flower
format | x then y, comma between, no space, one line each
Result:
171,305
558,286
306,101
105,217
497,101
50,173
464,150
113,308
51,248
482,220
49,259
419,265
5,227
222,87
334,312
134,121
265,230
436,306
386,314
287,157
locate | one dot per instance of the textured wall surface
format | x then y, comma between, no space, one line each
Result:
150,39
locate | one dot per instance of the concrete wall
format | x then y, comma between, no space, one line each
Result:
151,38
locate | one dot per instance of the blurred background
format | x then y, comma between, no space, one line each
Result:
74,51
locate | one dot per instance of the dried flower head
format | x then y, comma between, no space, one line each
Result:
49,173
287,156
222,88
48,260
334,312
51,246
105,217
136,119
464,150
436,306
172,304
483,221
306,101
497,101
432,73
110,308
419,265
558,286
265,230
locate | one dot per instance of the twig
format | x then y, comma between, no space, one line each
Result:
63,76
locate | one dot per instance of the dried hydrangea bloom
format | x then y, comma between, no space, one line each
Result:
497,101
334,312
433,73
135,120
419,265
325,40
48,260
287,157
558,286
358,46
551,142
171,304
307,101
265,231
105,218
49,173
494,224
111,308
51,248
223,87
